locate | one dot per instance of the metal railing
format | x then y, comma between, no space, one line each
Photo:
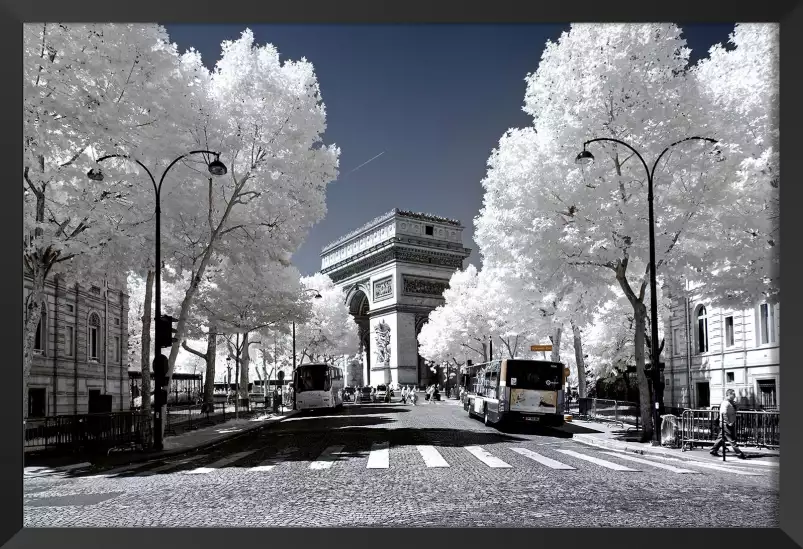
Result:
702,427
194,416
615,411
87,432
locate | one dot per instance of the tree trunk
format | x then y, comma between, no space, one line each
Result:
578,357
245,359
33,314
145,361
211,356
640,313
556,343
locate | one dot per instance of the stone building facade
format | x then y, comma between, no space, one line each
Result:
393,271
710,349
80,348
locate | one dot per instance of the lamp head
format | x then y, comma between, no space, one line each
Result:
95,175
318,295
216,167
584,158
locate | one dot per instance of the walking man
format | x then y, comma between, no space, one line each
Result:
727,420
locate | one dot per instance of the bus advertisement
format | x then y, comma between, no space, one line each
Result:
514,390
318,386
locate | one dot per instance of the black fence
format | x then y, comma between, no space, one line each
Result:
753,428
180,419
87,433
615,411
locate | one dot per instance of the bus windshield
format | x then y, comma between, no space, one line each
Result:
534,374
313,377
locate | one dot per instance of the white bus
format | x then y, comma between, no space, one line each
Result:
516,391
318,386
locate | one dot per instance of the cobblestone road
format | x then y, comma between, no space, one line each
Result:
395,465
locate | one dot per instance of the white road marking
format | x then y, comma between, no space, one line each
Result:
734,470
327,458
484,456
597,461
173,465
432,458
543,460
379,458
262,468
220,463
652,463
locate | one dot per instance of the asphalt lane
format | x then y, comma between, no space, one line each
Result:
399,465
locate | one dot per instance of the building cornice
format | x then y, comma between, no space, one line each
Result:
387,217
389,251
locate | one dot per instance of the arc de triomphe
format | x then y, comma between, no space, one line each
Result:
393,271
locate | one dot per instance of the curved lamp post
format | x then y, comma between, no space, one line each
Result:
293,377
585,158
216,167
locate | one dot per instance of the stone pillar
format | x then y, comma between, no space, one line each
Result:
406,365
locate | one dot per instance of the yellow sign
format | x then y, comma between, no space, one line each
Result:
540,348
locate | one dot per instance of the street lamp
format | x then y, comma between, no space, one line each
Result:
215,167
317,296
585,158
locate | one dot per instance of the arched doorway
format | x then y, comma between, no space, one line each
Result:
358,307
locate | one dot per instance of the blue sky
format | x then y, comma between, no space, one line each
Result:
433,99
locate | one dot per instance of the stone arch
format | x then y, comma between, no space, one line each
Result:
359,306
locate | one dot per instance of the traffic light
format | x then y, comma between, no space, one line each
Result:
165,331
160,367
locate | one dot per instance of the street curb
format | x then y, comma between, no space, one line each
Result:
599,442
210,443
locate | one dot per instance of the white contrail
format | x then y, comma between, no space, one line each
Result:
363,164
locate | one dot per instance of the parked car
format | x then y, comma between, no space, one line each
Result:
381,392
366,394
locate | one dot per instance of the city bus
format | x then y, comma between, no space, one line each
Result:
318,386
515,390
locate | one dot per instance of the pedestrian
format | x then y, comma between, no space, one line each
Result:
727,422
414,397
404,395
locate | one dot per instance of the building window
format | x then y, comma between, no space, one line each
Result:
40,339
728,331
767,394
37,402
429,230
766,324
70,308
116,321
116,349
677,341
94,336
729,377
702,330
69,340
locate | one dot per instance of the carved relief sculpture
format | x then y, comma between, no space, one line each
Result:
383,289
383,343
424,286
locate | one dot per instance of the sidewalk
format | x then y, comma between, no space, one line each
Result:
191,441
613,437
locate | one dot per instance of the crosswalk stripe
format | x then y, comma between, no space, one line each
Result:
327,458
597,461
652,463
379,458
431,456
734,470
262,468
220,463
484,456
271,462
543,460
173,464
